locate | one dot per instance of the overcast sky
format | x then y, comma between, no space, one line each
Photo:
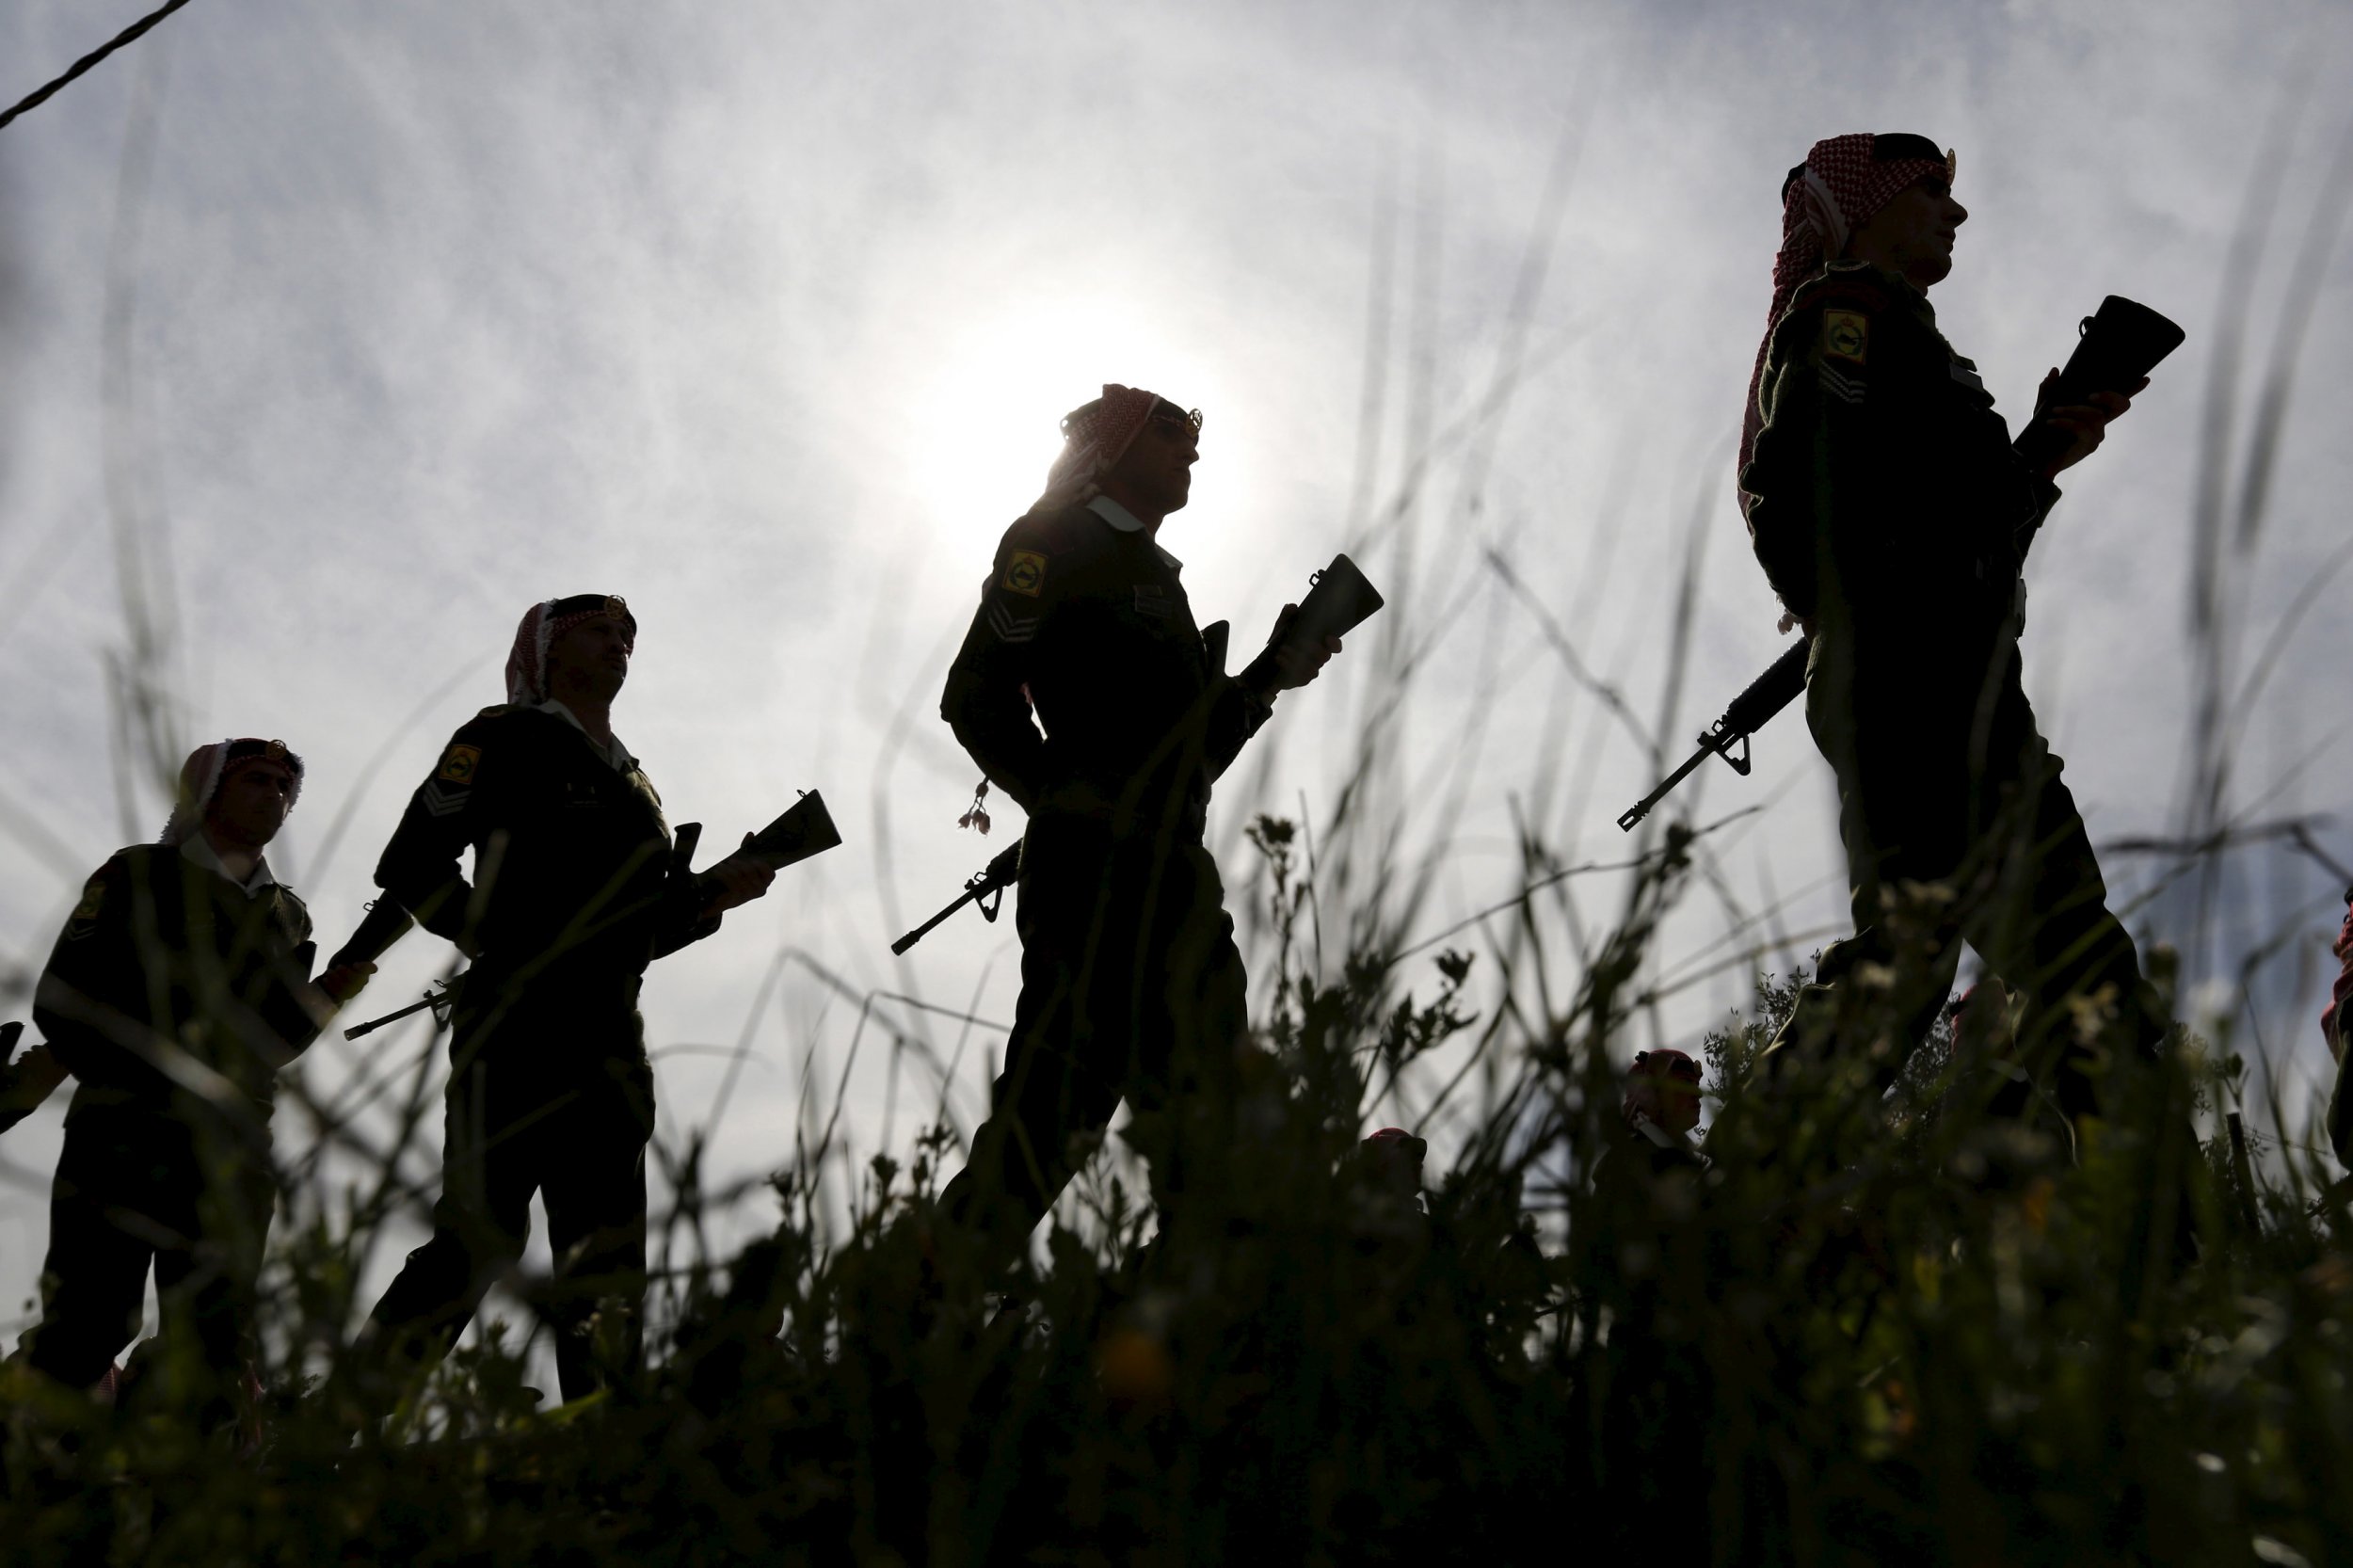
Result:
370,325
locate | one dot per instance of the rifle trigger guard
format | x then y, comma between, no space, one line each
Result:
989,903
1741,763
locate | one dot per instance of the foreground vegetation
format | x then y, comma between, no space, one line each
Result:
1871,1330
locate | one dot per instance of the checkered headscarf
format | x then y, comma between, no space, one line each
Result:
1839,188
202,774
1665,1062
1095,438
527,661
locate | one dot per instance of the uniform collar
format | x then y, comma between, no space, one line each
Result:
1117,516
615,753
1664,1138
198,848
1124,521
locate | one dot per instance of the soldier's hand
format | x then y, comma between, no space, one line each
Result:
1295,664
346,980
736,880
2086,424
37,1076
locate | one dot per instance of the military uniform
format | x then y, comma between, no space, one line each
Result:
2336,1027
1889,510
1130,982
173,996
550,1090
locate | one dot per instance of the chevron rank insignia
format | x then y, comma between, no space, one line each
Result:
1846,388
1847,335
1025,573
458,763
1010,626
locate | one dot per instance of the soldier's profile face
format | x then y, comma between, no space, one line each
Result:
1913,235
1158,464
251,804
1668,1094
594,655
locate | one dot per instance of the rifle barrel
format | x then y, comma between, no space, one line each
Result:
1002,871
356,1031
925,929
1782,682
1641,809
448,993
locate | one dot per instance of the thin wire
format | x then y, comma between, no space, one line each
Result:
129,35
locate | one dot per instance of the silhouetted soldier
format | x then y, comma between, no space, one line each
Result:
575,892
1892,515
1130,984
177,989
1658,1111
1648,1388
2336,1024
1388,1170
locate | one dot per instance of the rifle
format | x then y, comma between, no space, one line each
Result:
994,879
1766,696
2120,343
441,1001
444,1000
804,829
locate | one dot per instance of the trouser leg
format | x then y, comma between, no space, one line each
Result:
1131,985
1902,754
1955,820
1063,1070
595,1190
1189,1027
206,1286
492,1123
2047,930
102,1237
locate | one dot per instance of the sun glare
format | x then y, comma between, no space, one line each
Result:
985,431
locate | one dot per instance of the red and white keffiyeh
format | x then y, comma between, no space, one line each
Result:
202,774
1838,188
542,624
1094,440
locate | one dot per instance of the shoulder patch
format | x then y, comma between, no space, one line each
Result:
95,894
458,764
1847,335
1025,573
94,899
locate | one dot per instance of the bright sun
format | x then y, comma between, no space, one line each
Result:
984,430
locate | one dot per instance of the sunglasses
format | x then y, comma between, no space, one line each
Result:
1172,418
